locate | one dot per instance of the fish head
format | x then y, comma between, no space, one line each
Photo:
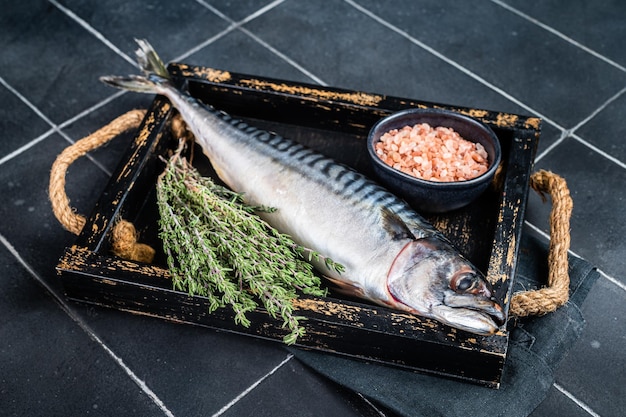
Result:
430,278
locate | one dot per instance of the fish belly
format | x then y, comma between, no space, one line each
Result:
322,205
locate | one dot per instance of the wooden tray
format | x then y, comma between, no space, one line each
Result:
336,122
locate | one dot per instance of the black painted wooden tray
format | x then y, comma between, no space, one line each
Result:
336,122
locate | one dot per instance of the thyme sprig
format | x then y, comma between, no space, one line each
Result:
217,247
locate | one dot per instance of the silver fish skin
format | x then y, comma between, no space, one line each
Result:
392,256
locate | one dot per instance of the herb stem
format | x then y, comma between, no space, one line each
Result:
217,247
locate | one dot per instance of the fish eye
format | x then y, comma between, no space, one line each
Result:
464,282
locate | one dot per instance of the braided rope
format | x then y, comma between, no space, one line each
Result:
124,236
556,293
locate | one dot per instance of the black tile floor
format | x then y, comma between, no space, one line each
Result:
562,61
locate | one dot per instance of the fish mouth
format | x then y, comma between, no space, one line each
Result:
464,301
496,314
493,310
483,316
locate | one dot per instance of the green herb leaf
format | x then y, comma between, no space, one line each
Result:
217,247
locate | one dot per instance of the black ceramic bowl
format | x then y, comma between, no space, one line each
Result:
432,196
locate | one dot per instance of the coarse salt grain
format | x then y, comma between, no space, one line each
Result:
434,154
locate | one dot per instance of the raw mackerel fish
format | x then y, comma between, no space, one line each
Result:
391,255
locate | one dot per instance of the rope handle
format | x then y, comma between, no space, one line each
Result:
124,236
556,293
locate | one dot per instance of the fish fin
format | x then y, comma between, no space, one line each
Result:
346,288
154,72
149,60
136,83
395,225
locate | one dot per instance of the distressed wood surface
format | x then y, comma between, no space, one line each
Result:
335,122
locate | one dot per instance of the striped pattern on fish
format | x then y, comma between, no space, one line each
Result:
391,255
344,181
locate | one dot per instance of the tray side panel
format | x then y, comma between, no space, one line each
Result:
360,332
338,326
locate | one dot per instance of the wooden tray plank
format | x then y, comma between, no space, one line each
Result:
334,121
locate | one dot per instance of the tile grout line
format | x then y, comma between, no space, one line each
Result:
239,26
273,50
492,86
17,152
234,25
559,34
556,385
564,132
284,57
92,31
594,113
598,110
204,44
92,109
57,128
252,387
599,151
256,14
456,65
552,146
572,132
612,280
85,327
496,89
54,128
608,277
450,62
30,105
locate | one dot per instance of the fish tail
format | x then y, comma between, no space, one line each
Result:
155,74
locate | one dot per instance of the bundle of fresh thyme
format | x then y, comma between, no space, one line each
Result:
217,247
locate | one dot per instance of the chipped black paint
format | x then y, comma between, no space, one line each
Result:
335,121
